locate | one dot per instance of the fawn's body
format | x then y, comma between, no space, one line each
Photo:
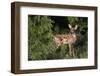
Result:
69,39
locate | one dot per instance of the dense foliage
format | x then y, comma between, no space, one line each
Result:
41,30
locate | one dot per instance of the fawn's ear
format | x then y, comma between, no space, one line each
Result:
69,26
76,27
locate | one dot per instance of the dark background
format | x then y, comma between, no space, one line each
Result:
41,30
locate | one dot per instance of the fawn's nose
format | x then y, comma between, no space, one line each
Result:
72,31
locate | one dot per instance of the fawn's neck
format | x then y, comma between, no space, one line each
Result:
73,34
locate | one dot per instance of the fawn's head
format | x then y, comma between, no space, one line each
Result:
72,29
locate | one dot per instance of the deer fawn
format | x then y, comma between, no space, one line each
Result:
69,39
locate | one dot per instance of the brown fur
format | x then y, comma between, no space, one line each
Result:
69,39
